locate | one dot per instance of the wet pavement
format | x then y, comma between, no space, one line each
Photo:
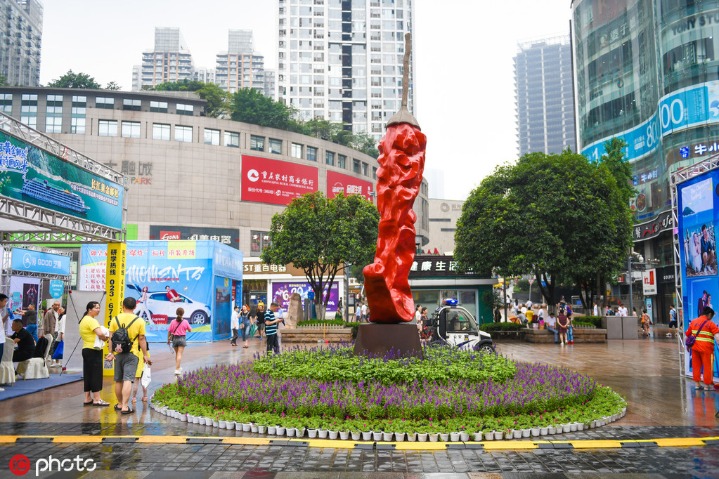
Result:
670,430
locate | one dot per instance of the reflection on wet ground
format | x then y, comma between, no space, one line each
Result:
661,404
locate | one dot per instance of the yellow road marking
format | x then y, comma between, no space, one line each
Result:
344,444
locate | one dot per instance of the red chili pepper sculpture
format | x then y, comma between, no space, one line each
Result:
399,178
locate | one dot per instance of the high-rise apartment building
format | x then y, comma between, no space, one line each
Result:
544,96
342,60
20,41
240,66
169,61
270,84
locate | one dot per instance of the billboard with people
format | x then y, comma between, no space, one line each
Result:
166,275
698,217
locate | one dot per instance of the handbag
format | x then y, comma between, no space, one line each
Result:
146,376
59,350
690,340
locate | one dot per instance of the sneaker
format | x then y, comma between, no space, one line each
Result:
2,389
178,372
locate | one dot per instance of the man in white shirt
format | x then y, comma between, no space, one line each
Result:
364,312
418,314
551,325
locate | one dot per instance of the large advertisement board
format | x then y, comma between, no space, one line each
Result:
34,176
31,261
162,276
698,218
349,185
282,291
275,182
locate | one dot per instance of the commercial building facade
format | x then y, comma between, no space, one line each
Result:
342,60
20,41
544,97
194,177
646,71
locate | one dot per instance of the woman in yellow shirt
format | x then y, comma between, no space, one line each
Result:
90,330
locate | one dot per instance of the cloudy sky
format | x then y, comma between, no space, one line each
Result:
464,51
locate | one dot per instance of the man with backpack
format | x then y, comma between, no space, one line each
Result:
127,331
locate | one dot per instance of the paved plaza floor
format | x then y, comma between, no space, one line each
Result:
670,430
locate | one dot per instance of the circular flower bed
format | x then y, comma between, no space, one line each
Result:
447,391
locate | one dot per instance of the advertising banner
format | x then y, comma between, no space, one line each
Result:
649,282
228,236
166,275
35,176
698,217
162,276
24,291
275,182
115,280
283,290
339,183
56,288
32,261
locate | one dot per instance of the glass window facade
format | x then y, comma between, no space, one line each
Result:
107,103
330,158
212,137
28,110
161,131
78,115
311,153
107,128
296,151
158,106
232,139
275,146
131,129
131,104
183,109
183,134
257,143
6,103
259,240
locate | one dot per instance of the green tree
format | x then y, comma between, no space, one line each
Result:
75,80
113,86
216,97
250,106
321,236
365,143
558,217
3,80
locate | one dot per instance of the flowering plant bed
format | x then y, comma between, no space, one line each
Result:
447,391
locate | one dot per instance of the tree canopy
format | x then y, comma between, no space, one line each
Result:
75,80
217,98
321,236
558,217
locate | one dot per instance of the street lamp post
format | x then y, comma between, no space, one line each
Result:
631,280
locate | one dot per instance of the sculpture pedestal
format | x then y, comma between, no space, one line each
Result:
377,339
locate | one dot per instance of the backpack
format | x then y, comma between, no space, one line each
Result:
121,342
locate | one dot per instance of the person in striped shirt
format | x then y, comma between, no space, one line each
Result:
271,322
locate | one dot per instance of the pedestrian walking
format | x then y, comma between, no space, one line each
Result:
177,335
235,325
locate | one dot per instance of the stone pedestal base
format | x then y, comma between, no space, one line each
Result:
377,339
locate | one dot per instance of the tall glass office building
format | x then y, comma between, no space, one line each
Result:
543,96
20,41
647,71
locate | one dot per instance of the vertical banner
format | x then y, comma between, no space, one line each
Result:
115,280
698,219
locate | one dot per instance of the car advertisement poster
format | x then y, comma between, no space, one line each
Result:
166,275
282,291
338,183
276,182
34,176
698,217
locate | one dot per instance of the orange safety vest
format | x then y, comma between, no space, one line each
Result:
705,337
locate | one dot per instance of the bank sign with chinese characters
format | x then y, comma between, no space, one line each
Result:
32,175
275,182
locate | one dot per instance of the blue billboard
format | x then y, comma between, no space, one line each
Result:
698,219
31,261
166,275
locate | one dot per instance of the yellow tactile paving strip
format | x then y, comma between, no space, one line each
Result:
399,446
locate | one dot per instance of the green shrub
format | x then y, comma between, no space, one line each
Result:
509,326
